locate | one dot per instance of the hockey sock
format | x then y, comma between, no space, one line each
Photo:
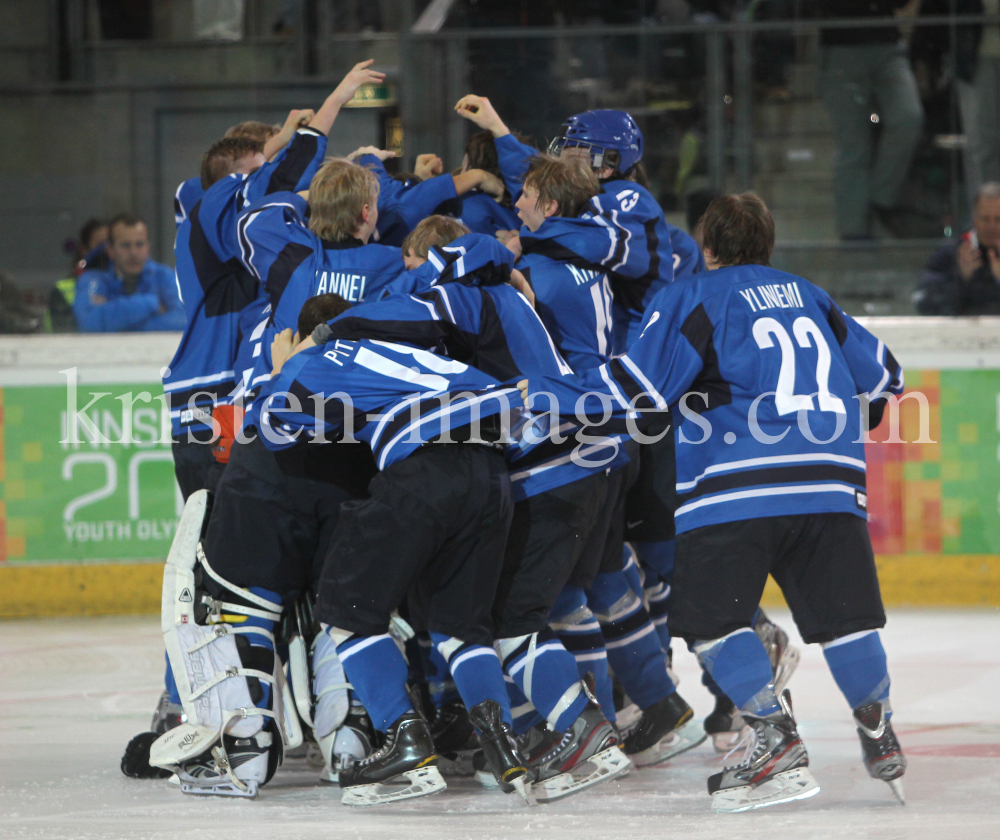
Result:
658,556
578,630
439,681
170,683
858,665
547,675
256,649
377,671
739,665
524,713
630,565
657,562
476,671
634,651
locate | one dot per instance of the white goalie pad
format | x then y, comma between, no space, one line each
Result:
210,677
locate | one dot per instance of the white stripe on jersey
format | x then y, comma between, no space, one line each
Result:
642,380
772,459
764,491
199,380
610,382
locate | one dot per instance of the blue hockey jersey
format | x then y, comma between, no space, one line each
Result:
393,397
573,298
481,213
402,206
688,258
188,194
294,264
761,371
458,304
639,259
216,287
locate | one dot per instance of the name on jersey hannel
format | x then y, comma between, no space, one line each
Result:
772,296
349,286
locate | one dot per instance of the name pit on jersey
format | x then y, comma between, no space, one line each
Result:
349,286
772,296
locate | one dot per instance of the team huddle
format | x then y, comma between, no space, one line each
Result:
462,454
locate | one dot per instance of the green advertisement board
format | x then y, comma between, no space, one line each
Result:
94,483
88,473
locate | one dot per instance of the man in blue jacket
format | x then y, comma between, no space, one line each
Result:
132,294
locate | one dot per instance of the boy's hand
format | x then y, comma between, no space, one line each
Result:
479,110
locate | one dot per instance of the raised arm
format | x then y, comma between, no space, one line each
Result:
360,75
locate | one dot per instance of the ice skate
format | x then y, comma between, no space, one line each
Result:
214,772
500,750
880,750
585,755
774,769
405,767
783,655
454,739
725,724
665,729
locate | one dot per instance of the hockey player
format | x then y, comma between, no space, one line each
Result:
436,519
574,301
639,264
480,211
469,311
261,547
272,139
762,368
639,259
402,206
299,247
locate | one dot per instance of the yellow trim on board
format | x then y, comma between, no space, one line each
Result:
82,589
928,580
920,580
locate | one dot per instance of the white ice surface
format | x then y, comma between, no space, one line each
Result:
73,691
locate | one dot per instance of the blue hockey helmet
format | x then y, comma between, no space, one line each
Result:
612,137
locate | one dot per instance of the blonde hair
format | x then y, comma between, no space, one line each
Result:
569,182
432,231
337,195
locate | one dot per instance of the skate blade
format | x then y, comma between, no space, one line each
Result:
786,667
606,765
724,742
897,788
422,782
219,789
783,787
673,743
523,788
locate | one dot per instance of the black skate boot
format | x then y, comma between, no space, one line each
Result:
783,655
725,724
500,749
135,762
880,750
664,730
406,758
587,753
775,766
454,739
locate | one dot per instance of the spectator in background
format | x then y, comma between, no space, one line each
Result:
133,292
864,72
89,253
978,85
963,277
